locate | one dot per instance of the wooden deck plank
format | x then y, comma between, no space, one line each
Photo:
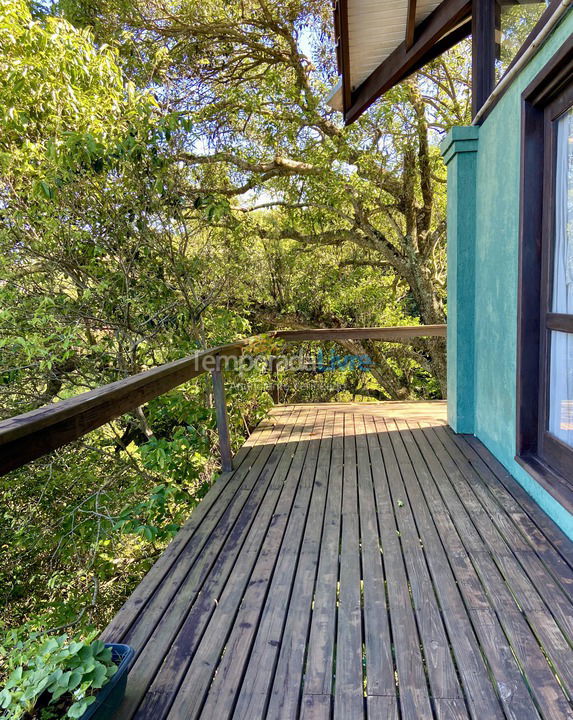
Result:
276,672
411,673
537,534
272,563
250,570
181,586
553,592
462,595
480,696
450,709
228,532
361,561
380,680
318,679
316,707
132,609
543,522
540,678
440,668
177,637
529,596
382,707
348,687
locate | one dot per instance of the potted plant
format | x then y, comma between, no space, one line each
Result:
58,677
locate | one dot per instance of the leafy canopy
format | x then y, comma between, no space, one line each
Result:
62,100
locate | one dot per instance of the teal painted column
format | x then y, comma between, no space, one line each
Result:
459,150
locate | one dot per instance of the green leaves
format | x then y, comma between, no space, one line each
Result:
63,100
214,208
79,707
69,671
45,190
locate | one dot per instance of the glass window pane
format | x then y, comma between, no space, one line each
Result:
517,21
561,387
563,257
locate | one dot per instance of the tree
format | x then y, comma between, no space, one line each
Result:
263,136
103,273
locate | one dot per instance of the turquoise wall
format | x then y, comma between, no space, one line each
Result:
496,270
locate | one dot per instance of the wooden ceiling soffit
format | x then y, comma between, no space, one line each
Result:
449,23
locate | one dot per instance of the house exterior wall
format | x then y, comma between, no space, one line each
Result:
489,338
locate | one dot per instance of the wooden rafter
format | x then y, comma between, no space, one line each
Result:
341,19
448,24
410,23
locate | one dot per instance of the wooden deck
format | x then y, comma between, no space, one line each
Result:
361,561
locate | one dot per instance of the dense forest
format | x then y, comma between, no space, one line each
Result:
172,179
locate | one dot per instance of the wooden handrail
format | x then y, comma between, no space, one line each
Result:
33,434
387,334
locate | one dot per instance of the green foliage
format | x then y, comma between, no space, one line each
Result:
147,518
52,122
52,677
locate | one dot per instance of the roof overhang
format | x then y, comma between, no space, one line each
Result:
381,42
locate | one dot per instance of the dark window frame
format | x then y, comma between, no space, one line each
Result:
529,40
556,453
542,101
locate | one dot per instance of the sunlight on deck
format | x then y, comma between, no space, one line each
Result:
360,561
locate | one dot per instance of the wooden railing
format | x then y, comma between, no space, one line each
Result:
33,434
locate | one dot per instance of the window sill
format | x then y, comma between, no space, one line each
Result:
549,480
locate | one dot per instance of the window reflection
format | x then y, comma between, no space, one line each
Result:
516,22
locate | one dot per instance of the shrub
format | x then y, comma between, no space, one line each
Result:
55,677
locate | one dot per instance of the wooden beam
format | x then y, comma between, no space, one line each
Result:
274,380
441,46
529,40
344,52
337,33
403,61
410,23
498,33
483,51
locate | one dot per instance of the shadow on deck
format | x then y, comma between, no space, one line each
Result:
360,561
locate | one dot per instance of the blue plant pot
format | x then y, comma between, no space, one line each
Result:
110,696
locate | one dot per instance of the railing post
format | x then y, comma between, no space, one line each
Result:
274,380
222,419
